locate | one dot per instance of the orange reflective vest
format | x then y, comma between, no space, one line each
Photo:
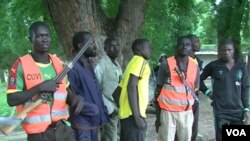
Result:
173,96
41,117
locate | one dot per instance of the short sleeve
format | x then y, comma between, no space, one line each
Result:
137,66
162,73
99,71
16,80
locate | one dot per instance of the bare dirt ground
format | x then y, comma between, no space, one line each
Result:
206,124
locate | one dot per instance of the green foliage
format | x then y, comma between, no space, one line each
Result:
232,20
110,7
167,19
4,27
205,27
16,16
246,23
5,109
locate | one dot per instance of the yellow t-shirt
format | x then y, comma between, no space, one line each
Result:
137,66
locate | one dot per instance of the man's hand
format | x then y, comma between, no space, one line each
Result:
48,86
246,118
157,124
158,114
211,95
140,122
76,102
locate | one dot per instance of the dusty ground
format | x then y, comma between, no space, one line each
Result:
206,125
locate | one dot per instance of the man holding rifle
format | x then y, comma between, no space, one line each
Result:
31,76
177,81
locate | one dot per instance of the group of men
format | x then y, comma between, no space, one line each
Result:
181,78
82,103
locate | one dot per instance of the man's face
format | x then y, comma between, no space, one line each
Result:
196,44
184,47
162,59
146,50
113,49
91,51
41,39
227,52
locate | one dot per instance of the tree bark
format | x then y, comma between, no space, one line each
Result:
72,16
229,18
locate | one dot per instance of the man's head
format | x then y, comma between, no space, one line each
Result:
195,42
142,47
80,39
227,50
162,57
39,36
183,46
111,47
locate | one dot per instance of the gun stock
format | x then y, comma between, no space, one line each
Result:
9,128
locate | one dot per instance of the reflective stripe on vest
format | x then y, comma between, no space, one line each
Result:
174,88
174,96
57,96
41,117
59,113
60,96
177,98
37,119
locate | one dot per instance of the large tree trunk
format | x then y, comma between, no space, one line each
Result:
71,16
229,19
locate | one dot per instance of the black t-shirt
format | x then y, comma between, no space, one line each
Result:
200,62
229,87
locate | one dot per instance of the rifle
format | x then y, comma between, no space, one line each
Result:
189,89
8,127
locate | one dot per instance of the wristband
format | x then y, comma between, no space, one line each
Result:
208,92
245,109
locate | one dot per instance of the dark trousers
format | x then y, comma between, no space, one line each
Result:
196,121
219,121
86,134
129,131
55,132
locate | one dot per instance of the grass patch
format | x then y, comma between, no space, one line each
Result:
5,109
